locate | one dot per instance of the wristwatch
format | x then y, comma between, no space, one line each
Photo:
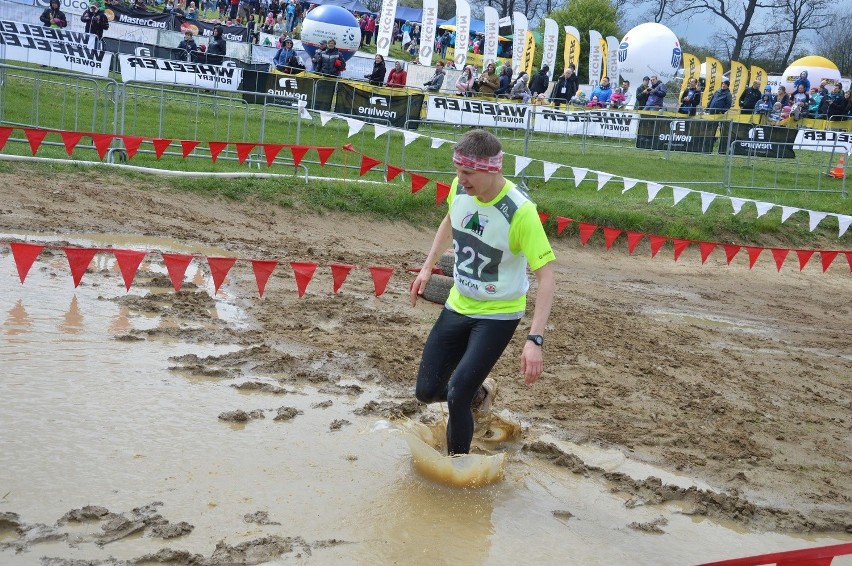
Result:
537,339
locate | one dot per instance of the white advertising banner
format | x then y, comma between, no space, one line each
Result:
76,7
136,34
492,31
519,39
50,34
601,123
384,35
551,42
427,31
822,140
69,56
462,33
473,112
596,61
153,70
612,61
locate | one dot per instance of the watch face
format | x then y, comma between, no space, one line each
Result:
538,340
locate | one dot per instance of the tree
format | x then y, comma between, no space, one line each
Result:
585,15
799,16
836,42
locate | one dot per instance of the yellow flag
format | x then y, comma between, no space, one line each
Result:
571,53
712,78
758,74
691,69
529,53
605,54
739,80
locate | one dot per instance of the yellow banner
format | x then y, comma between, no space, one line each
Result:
605,54
571,53
691,69
758,74
477,59
712,78
739,80
529,54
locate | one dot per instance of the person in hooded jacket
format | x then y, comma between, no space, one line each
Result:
284,57
540,81
377,76
520,90
488,81
329,62
217,48
749,98
802,80
96,21
505,87
53,17
603,91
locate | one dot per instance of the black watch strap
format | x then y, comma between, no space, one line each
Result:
536,339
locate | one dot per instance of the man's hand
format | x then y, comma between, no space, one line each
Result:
532,362
419,283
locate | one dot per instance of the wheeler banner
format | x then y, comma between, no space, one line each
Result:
600,123
153,70
473,112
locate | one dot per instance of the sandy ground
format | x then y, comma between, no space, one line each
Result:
738,378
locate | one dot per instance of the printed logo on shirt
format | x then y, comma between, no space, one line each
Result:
475,223
491,288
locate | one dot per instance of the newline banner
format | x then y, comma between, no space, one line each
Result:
153,70
472,112
69,56
286,90
760,141
600,123
697,136
376,105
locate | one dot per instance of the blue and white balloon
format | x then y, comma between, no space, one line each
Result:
649,49
331,22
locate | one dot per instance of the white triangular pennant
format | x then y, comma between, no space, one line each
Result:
379,130
549,169
438,142
679,193
603,179
303,110
844,222
629,184
815,218
409,136
787,212
579,174
763,207
706,200
354,126
653,189
521,163
737,203
325,117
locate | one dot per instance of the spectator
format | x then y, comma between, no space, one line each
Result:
603,92
749,98
280,27
330,61
188,49
397,76
222,6
595,102
776,114
445,43
488,81
370,29
801,101
53,17
783,97
520,90
412,49
565,88
764,105
802,80
96,22
290,13
823,88
656,94
284,56
837,102
540,81
377,77
628,94
579,99
190,12
234,6
169,7
642,93
464,84
818,105
617,100
721,101
268,23
505,77
362,23
435,83
217,48
690,98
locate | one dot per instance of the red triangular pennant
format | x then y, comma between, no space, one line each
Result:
324,153
633,238
160,145
780,254
543,216
679,246
731,251
215,149
78,260
586,231
176,265
298,152
187,146
128,262
610,234
348,147
4,136
262,270
393,171
271,151
417,182
442,191
381,276
131,144
304,272
24,255
339,273
706,249
368,163
656,243
804,257
102,143
35,137
753,254
827,257
561,223
243,150
70,139
219,268
849,260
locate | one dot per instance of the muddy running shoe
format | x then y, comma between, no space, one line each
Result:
484,398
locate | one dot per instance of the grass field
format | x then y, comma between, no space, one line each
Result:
33,97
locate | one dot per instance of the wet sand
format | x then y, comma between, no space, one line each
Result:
705,401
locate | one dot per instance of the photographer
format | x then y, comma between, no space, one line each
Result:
642,93
96,22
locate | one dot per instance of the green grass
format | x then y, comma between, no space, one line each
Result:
185,114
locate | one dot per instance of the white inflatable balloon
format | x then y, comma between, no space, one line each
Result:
648,49
818,68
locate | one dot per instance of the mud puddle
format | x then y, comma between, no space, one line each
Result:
134,424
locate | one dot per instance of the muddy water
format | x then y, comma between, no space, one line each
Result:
86,419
